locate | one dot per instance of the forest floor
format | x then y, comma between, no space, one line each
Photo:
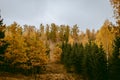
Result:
54,71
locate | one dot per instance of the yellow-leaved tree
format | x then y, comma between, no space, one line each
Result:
105,37
26,50
16,52
36,50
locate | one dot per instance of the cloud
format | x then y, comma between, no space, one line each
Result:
87,14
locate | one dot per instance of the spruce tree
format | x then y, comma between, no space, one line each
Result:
95,64
102,70
3,44
114,65
1,28
79,58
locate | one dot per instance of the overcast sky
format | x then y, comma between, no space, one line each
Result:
86,13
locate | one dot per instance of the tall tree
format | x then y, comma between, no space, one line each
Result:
62,32
30,51
78,59
94,63
47,32
105,37
35,48
75,32
3,43
114,65
53,32
42,32
15,55
67,33
2,28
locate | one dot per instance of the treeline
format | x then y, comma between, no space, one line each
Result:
94,54
27,49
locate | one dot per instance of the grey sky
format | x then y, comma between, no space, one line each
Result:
86,13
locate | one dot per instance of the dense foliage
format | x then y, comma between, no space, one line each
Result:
93,54
89,60
114,66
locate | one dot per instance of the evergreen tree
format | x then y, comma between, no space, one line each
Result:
2,27
67,33
66,56
72,56
79,58
3,43
115,61
95,64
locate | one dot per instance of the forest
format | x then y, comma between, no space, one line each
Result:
94,55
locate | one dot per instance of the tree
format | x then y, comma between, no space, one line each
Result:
3,44
72,56
1,20
116,6
93,35
42,32
35,48
94,63
114,65
15,55
75,32
62,33
67,33
78,59
2,28
30,51
105,37
53,32
48,32
66,54
88,34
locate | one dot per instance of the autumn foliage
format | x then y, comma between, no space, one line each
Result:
93,54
